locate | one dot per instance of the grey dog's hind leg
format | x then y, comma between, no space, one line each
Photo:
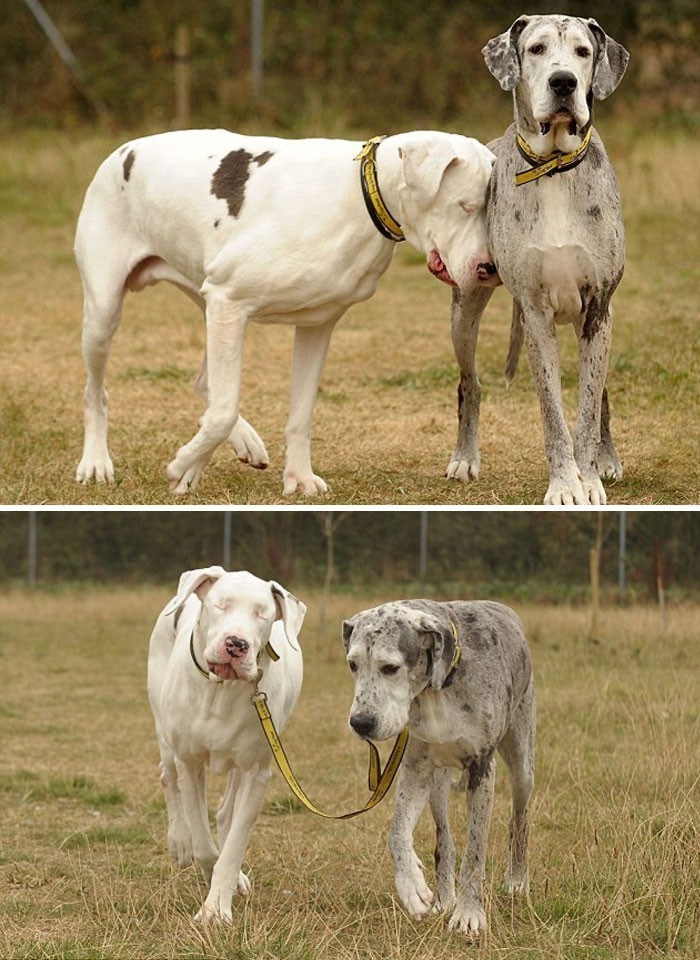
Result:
518,751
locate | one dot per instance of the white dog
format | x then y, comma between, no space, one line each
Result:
272,231
209,644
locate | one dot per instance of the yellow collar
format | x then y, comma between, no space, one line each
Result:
554,162
381,218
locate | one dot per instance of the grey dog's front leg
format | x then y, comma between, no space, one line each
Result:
412,794
467,308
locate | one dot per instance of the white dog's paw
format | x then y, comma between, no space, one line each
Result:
464,469
248,446
307,484
213,914
183,478
244,885
180,848
469,918
95,468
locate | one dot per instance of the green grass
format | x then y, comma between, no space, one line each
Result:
84,870
385,423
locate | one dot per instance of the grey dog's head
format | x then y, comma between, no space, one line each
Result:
394,652
557,65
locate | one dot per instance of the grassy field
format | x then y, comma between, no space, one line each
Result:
84,871
385,422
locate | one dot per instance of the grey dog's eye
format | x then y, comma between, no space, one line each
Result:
389,669
583,52
353,666
537,49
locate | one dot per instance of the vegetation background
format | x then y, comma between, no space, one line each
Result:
332,65
531,555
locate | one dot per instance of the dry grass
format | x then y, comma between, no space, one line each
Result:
385,422
83,866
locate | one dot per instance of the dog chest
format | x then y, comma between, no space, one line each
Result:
454,734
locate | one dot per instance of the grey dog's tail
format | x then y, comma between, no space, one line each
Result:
516,343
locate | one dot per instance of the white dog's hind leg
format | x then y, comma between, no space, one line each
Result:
191,778
310,351
179,836
103,298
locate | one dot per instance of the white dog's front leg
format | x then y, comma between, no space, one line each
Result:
412,793
227,878
310,352
247,444
226,326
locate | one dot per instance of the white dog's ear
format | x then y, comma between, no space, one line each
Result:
424,167
441,642
290,610
611,62
194,581
502,57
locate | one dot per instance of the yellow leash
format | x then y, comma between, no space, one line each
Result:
380,780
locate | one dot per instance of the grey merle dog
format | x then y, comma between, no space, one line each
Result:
458,675
557,238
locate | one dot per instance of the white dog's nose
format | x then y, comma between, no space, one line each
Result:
235,646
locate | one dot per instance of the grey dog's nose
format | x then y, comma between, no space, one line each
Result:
362,724
235,645
563,83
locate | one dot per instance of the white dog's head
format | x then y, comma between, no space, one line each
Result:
442,205
238,612
556,65
394,652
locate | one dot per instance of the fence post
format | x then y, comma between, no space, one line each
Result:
182,77
32,551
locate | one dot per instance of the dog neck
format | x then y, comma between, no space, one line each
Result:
548,148
544,140
377,208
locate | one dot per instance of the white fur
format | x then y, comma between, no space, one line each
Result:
298,249
208,722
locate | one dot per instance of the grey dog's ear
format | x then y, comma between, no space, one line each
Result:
348,627
441,642
611,62
501,55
